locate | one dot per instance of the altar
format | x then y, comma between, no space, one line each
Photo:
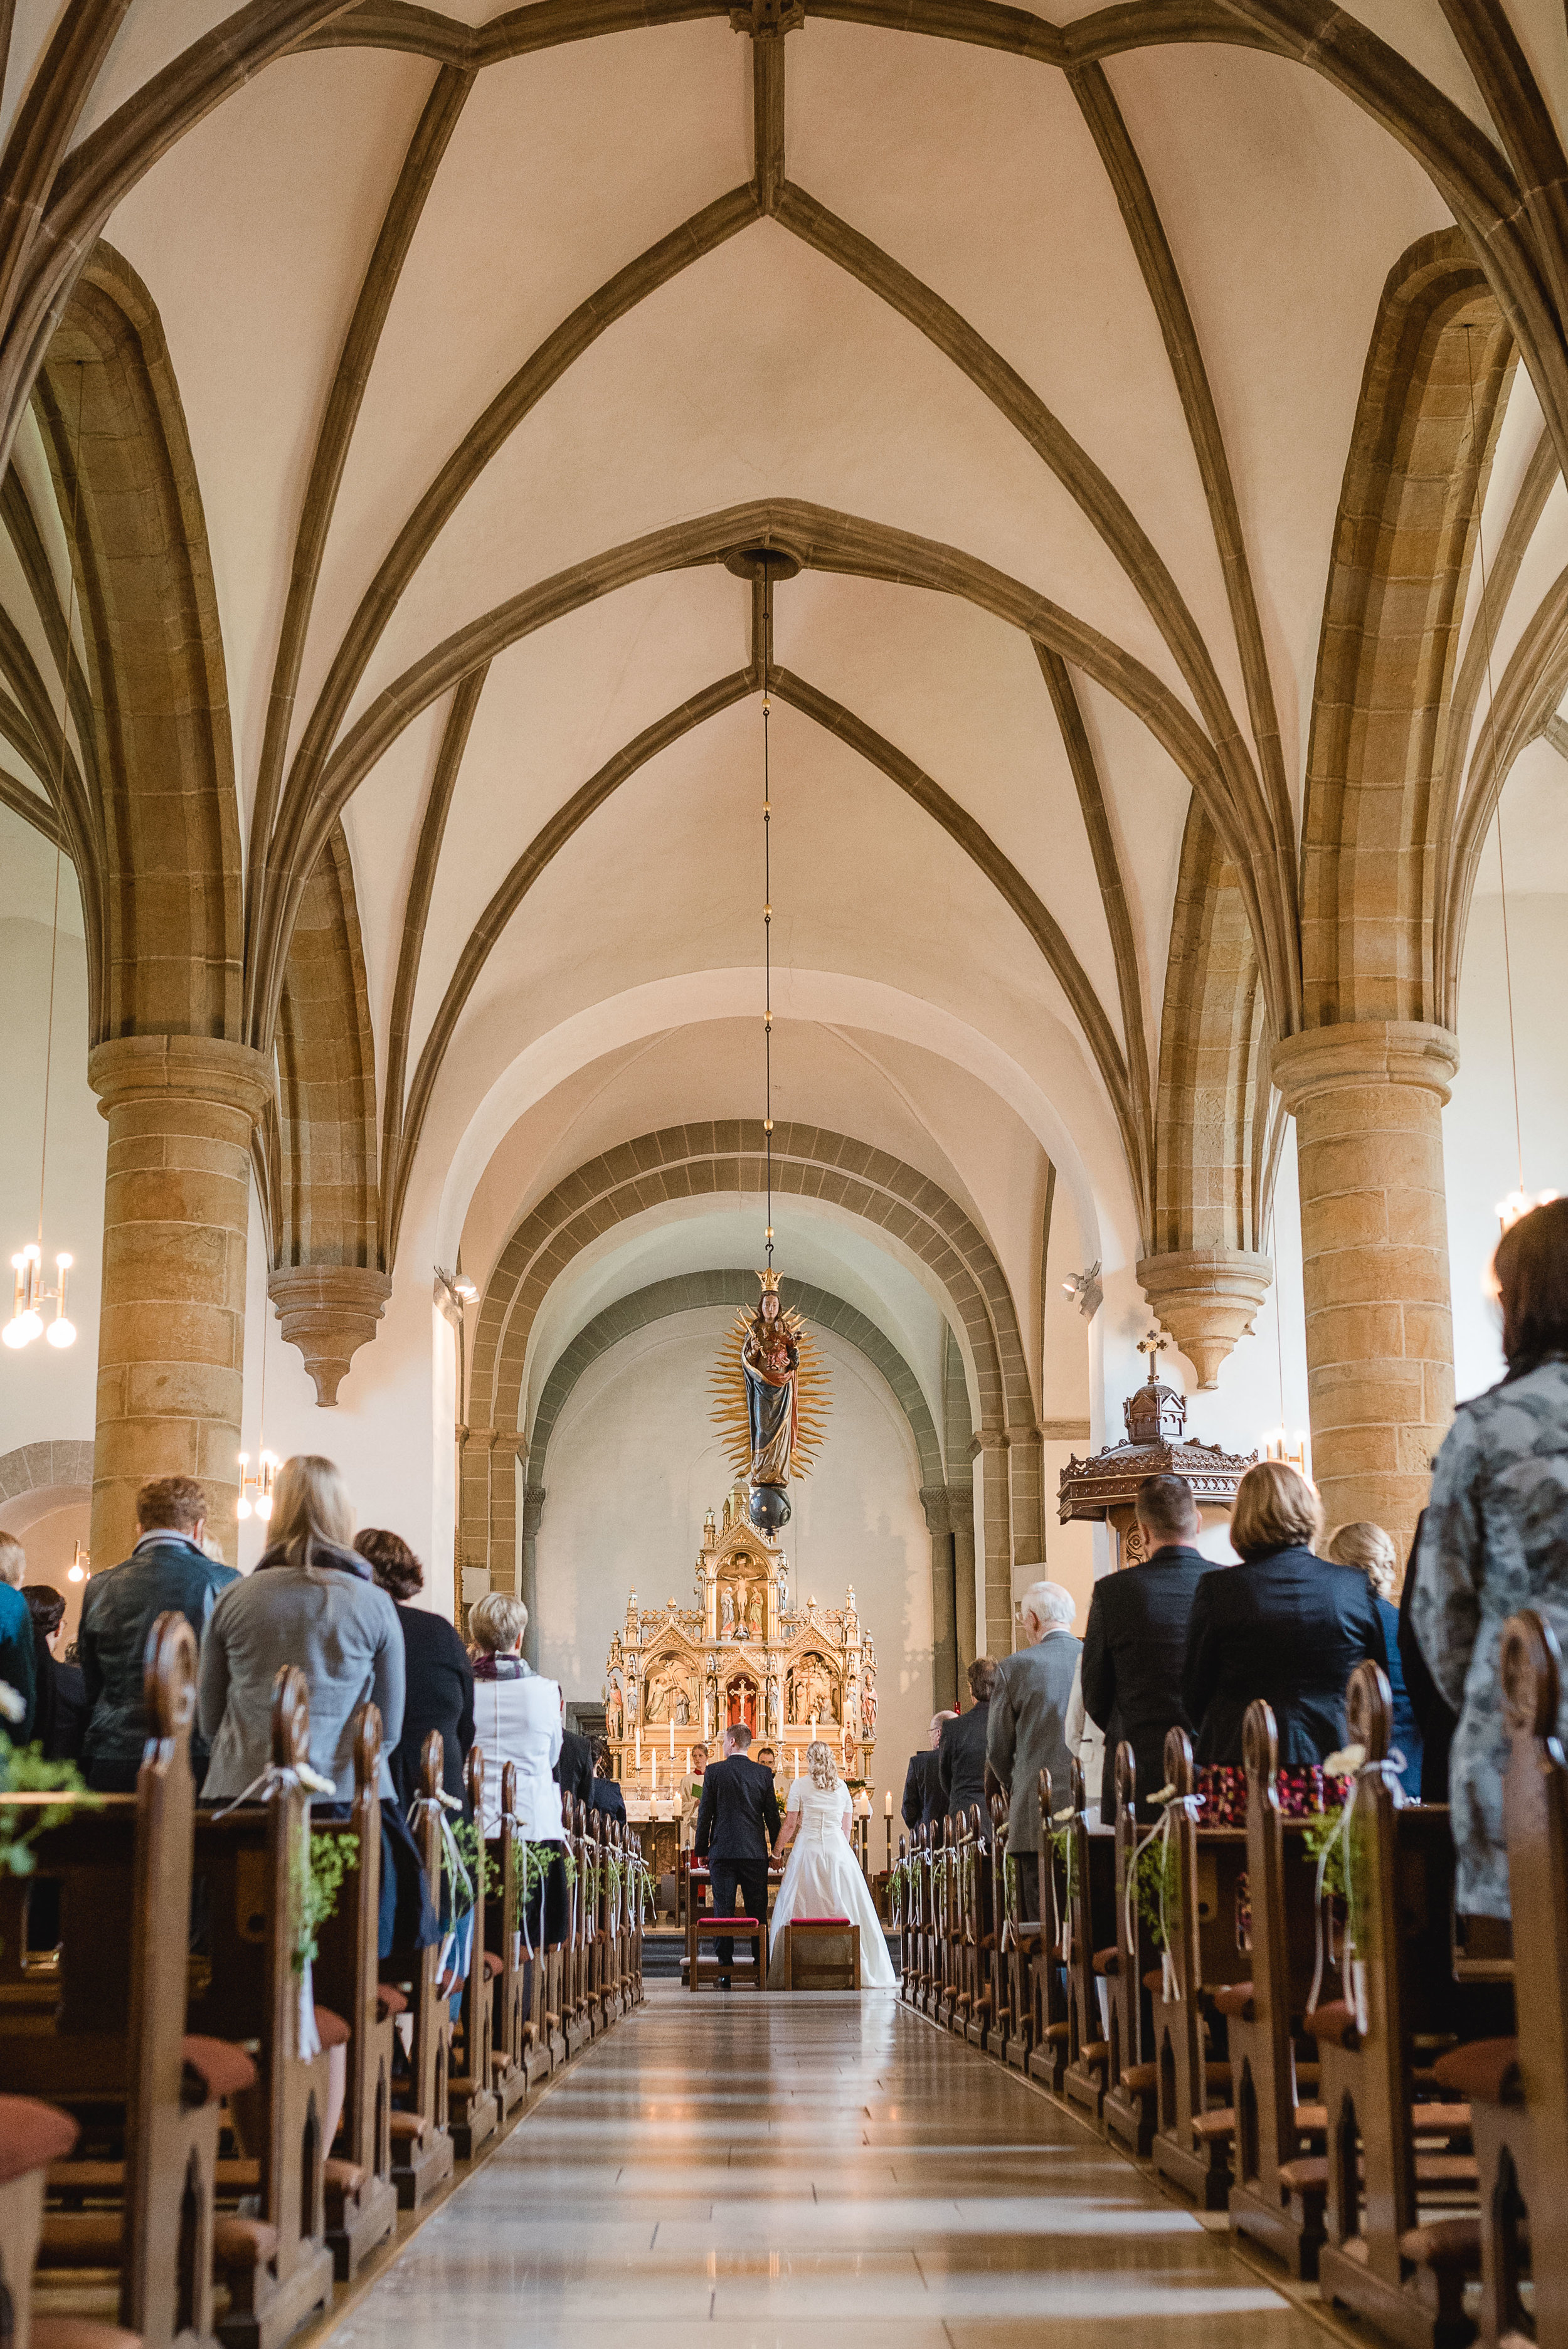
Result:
749,1650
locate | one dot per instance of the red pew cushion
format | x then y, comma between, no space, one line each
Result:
32,2136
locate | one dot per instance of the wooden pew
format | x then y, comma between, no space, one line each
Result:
948,1867
1277,2193
515,2036
1192,2140
247,1985
1379,2259
361,2198
1518,2086
472,2111
978,1938
917,1978
1018,1942
575,2013
1051,2027
1129,2106
1003,2025
100,2027
1091,1922
422,2149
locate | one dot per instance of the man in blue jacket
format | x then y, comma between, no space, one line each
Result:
16,1665
167,1571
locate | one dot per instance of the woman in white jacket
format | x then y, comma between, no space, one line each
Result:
516,1718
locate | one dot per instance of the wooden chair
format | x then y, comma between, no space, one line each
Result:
1517,2087
1131,2087
514,2037
361,2198
252,1863
98,2025
1277,2193
1193,2139
1091,1922
1379,2259
422,2150
1051,2028
472,2112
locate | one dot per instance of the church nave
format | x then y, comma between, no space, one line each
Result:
773,2167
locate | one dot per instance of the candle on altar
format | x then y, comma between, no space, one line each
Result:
887,1803
672,1737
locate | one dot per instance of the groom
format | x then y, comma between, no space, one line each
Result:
738,1822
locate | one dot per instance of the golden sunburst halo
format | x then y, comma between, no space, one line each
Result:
813,1395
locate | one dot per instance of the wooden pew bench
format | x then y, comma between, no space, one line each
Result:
422,2150
98,2025
1131,2092
1090,1931
1192,2144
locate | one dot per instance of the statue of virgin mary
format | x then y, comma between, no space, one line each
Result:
770,1416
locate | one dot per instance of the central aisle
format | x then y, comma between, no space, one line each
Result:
816,2172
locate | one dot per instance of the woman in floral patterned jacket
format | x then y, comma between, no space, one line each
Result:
1495,1538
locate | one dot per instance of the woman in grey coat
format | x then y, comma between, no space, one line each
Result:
1495,1538
312,1601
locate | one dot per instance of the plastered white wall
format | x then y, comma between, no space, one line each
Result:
1480,1154
631,1467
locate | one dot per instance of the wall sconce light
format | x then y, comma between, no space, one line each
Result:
80,1567
1085,1291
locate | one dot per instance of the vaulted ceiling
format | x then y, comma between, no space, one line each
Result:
468,351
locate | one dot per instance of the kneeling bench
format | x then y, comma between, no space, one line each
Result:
822,1953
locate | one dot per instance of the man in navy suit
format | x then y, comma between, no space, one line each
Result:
736,1827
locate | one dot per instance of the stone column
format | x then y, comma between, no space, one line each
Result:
329,1312
1025,1490
961,1506
181,1112
1367,1098
532,1511
1207,1298
933,1500
475,1447
988,1448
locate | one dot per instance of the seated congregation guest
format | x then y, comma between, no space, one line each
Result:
1283,1625
168,1570
311,1601
961,1755
1495,1539
1136,1639
516,1718
19,1670
60,1715
922,1801
438,1678
1026,1728
605,1795
1368,1547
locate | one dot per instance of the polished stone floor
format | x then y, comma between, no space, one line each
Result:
817,2173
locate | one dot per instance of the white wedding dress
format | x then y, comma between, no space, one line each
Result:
822,1878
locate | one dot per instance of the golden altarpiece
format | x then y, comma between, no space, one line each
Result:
750,1650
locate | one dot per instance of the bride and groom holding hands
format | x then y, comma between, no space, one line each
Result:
738,1828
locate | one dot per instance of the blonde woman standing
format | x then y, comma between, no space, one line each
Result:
1369,1547
822,1877
312,1601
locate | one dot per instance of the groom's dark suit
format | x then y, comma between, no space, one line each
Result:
736,1826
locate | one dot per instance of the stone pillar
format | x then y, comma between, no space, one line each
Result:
1026,1493
170,1380
532,1511
1367,1098
989,1449
1207,1298
475,1446
933,1500
961,1500
507,1445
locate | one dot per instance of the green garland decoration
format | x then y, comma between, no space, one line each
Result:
24,1770
322,1861
1157,1870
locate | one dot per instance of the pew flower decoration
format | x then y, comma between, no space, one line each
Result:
24,1770
322,1869
482,1873
1063,1845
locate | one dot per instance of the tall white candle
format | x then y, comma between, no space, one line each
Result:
672,1737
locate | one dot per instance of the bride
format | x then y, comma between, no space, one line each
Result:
822,1877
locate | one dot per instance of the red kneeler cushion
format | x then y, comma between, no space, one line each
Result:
32,2136
840,1921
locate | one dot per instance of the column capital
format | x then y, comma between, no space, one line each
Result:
533,1500
1357,1052
328,1312
190,1068
479,1439
1207,1298
987,1439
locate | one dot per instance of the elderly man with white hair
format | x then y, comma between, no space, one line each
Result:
1027,1729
